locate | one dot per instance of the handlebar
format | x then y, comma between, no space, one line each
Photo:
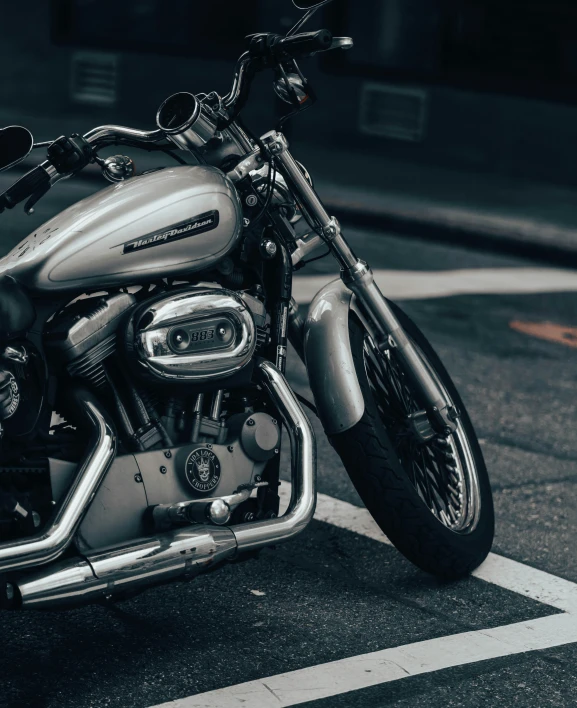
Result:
242,79
118,134
35,180
265,51
38,180
67,156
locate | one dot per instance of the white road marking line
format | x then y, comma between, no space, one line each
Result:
358,672
418,284
347,516
365,670
530,582
505,573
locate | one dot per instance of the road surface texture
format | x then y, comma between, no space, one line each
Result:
334,593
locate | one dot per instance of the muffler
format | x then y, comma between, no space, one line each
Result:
123,570
182,553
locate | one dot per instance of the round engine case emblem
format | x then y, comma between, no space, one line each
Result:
203,470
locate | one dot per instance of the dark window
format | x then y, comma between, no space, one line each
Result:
202,29
526,47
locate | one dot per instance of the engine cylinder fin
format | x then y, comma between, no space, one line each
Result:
261,337
89,366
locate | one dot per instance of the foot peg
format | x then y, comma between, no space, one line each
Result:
196,511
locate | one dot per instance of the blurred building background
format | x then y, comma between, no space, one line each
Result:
483,88
482,84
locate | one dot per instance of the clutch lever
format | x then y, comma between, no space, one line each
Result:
38,194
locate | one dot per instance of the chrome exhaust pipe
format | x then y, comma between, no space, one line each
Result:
304,467
186,552
124,569
50,543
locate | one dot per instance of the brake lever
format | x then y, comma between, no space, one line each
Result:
342,43
38,194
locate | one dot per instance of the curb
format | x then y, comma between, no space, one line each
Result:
455,225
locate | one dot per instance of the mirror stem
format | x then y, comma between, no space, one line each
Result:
309,13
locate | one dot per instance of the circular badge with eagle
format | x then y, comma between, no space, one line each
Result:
203,470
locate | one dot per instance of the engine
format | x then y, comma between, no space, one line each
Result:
174,370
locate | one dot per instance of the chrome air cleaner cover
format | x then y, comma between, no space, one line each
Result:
192,334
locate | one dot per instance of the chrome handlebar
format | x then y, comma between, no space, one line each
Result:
266,52
104,133
36,182
108,135
246,61
239,81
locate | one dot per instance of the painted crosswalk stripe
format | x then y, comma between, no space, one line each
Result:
421,284
397,663
366,670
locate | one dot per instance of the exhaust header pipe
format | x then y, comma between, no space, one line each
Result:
182,553
50,543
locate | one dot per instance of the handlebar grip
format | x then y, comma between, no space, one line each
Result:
24,187
303,45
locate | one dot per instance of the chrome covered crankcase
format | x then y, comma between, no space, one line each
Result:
197,334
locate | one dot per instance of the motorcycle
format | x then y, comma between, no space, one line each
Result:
144,335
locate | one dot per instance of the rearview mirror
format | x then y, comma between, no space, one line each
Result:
15,144
291,90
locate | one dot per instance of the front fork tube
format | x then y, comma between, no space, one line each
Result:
361,281
358,277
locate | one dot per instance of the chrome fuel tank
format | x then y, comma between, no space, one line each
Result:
170,222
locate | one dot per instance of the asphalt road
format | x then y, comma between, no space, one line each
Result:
331,593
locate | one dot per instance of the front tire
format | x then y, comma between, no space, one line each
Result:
433,500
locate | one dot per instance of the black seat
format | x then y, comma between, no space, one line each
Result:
17,313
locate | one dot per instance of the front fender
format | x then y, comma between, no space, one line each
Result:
329,360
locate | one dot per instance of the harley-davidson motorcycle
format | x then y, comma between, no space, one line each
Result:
144,335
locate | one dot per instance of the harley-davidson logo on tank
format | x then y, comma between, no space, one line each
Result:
203,470
184,229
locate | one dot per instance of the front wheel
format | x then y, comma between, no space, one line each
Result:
432,499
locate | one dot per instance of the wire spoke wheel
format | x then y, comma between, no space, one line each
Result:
442,470
430,495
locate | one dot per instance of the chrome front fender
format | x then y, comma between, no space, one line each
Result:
329,360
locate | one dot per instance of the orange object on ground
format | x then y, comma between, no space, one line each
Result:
547,330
